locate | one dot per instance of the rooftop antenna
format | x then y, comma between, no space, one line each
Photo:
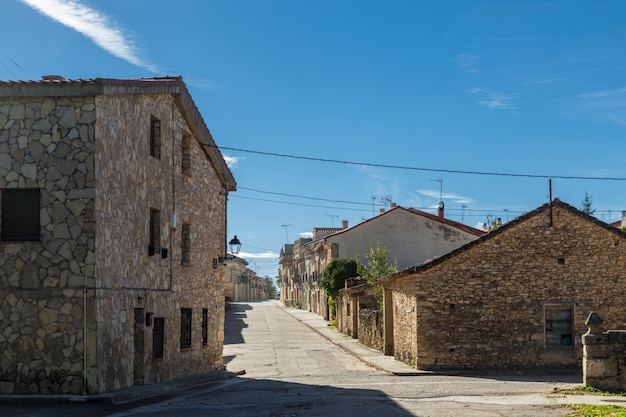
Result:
332,221
385,200
507,214
463,207
373,209
440,181
286,231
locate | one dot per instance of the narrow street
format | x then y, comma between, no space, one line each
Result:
288,369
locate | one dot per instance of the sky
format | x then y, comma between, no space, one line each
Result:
329,110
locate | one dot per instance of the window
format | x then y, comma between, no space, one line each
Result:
155,232
186,151
559,326
155,137
185,328
185,244
205,326
158,333
20,214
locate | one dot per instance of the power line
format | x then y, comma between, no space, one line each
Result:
449,171
14,63
303,196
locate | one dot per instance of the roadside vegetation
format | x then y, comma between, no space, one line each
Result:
586,410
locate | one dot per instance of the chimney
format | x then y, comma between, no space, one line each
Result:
440,210
344,224
394,205
381,210
53,78
623,218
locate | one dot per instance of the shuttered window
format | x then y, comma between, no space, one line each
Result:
20,214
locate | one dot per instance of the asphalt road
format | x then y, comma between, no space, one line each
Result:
292,371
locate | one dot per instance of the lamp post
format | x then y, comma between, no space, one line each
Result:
234,245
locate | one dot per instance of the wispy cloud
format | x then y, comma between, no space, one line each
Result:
468,62
601,105
94,25
448,196
262,255
306,234
232,161
494,99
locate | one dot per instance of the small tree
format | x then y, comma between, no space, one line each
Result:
377,267
587,205
334,278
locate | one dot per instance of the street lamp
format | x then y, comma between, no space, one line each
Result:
234,246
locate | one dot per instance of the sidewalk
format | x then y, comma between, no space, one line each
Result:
368,355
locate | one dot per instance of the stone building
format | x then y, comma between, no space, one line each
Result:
517,297
113,232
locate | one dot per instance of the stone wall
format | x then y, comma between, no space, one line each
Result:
48,143
72,301
604,357
371,328
485,305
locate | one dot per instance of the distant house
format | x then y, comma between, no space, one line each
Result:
517,297
411,236
112,235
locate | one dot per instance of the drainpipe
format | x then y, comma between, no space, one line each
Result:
85,331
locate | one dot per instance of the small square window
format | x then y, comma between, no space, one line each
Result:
20,214
155,137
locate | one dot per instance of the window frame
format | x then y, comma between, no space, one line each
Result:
186,154
158,338
155,137
155,232
205,326
185,244
186,320
548,328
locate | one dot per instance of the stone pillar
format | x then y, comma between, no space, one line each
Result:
603,356
387,322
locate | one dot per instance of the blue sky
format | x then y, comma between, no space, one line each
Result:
481,101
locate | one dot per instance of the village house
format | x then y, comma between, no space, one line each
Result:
112,235
515,298
411,237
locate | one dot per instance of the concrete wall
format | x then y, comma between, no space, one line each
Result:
491,305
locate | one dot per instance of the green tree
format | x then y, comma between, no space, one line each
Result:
587,205
334,277
377,267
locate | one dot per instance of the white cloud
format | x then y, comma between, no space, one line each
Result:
232,161
602,105
446,196
262,255
94,25
306,234
494,99
468,62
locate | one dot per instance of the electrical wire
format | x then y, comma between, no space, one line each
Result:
449,171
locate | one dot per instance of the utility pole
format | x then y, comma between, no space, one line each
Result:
286,231
463,207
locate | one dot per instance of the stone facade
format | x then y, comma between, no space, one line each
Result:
79,305
517,297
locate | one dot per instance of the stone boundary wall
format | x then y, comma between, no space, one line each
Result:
371,328
604,357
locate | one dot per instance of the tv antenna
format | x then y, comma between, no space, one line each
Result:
332,221
286,231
